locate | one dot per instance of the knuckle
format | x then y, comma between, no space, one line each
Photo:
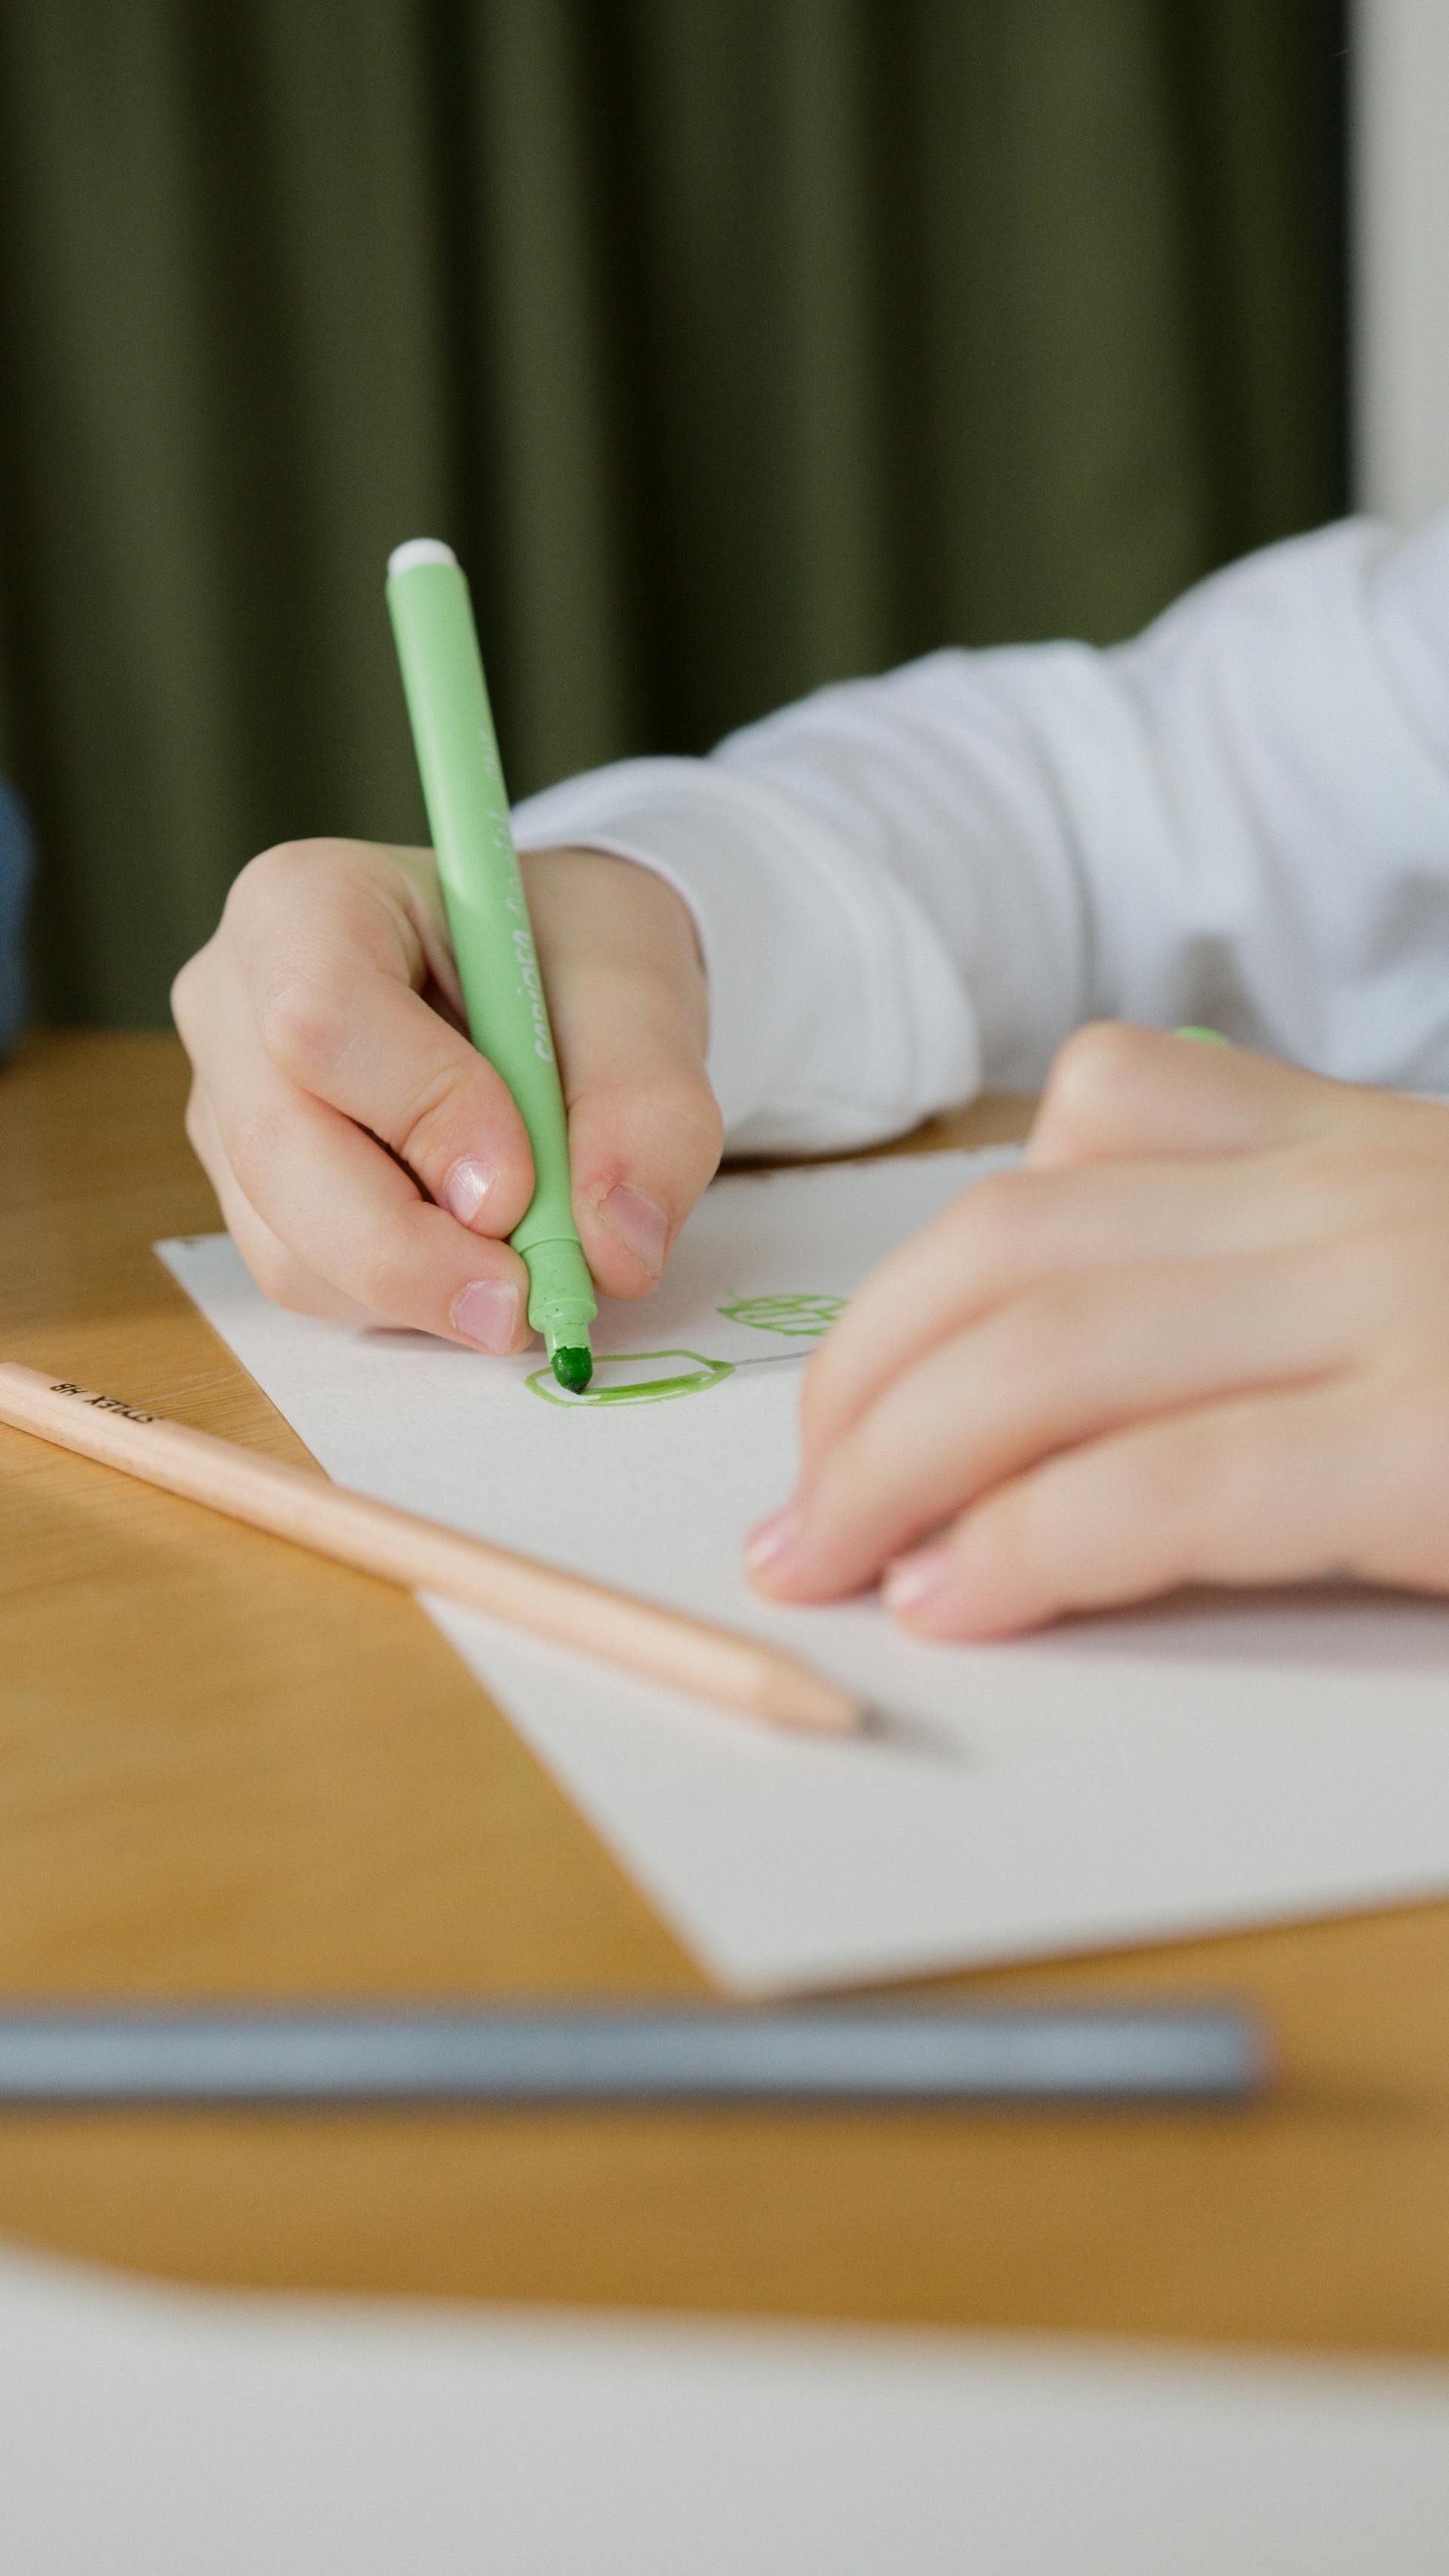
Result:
270,877
988,1238
1093,1068
183,998
429,1122
300,1022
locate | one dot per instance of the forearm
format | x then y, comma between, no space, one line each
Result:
907,886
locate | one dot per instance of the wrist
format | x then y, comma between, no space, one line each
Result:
619,932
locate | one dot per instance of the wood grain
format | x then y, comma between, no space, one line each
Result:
227,1770
635,1634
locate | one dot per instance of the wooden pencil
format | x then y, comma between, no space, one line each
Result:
616,1627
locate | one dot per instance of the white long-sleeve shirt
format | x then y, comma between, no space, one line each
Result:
911,887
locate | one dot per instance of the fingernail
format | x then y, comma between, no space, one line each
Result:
773,1539
466,1187
912,1580
639,1225
486,1312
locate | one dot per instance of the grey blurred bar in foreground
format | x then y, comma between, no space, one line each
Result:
446,2054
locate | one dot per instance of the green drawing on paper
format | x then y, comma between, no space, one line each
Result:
803,1318
617,1379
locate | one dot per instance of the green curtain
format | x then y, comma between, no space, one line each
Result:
737,345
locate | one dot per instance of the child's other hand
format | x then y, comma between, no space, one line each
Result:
1202,1338
368,1161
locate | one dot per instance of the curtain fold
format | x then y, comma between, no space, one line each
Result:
737,344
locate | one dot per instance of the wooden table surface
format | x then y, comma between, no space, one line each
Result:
227,1769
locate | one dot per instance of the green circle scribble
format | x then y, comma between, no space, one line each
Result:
693,1380
803,1318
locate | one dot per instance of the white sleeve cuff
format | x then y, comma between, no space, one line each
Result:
836,1017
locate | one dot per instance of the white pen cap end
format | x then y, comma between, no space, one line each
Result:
419,550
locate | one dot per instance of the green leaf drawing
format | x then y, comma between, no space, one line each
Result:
615,1379
803,1318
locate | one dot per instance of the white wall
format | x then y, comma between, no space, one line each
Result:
1399,145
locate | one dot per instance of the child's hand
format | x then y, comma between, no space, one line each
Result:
1203,1337
368,1161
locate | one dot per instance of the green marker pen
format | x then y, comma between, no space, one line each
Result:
437,645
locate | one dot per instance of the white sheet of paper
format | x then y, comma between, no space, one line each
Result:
1163,1774
149,2431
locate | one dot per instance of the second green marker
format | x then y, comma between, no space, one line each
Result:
437,644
